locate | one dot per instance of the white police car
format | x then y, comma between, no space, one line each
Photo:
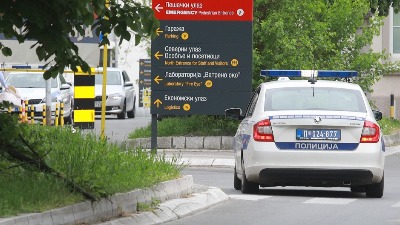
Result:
309,133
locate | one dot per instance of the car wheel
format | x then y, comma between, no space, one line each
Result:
131,114
236,181
375,190
248,187
123,113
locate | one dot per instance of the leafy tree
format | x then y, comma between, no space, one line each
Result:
318,34
51,22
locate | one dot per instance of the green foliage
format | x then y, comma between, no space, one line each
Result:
319,35
26,191
195,125
389,125
51,23
98,167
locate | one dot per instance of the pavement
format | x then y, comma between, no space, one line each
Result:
179,198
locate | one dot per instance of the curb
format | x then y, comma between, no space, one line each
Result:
105,209
181,142
175,209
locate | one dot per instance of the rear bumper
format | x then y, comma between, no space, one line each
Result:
261,160
315,177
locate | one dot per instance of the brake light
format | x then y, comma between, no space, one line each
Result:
370,133
262,131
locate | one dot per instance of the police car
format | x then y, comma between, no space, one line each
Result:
314,132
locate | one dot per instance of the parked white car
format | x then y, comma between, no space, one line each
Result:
31,86
120,93
309,133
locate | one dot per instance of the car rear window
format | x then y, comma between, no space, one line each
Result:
113,78
314,98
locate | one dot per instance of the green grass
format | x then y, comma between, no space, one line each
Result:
27,191
101,168
389,125
196,125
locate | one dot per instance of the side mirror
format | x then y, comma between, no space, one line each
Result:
234,113
64,86
128,84
377,114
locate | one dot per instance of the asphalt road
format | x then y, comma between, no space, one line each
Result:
298,205
117,130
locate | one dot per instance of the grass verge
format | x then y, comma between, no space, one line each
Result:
195,125
389,125
101,168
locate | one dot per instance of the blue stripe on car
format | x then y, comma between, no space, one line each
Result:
316,146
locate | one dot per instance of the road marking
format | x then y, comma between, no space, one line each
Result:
330,201
248,197
396,205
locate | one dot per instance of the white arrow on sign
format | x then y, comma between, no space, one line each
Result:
158,7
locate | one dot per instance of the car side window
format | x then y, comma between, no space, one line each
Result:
253,101
126,77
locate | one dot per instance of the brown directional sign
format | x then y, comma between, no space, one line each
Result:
203,52
144,82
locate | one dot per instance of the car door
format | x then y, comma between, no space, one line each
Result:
244,131
129,91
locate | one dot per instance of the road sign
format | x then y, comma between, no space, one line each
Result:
144,82
202,56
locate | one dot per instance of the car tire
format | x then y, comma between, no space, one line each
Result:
131,114
122,115
375,190
248,187
236,181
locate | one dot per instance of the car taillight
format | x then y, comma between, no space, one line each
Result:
262,131
370,133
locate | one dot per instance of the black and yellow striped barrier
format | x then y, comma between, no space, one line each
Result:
26,114
84,114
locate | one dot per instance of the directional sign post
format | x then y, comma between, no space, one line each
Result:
202,56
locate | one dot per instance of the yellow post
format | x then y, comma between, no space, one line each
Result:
9,110
32,114
20,114
26,111
44,115
103,91
62,114
56,116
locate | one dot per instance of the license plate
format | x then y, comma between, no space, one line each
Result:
97,104
318,134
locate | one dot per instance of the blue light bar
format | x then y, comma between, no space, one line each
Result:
308,73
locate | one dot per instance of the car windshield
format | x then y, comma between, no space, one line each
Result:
29,80
113,78
314,98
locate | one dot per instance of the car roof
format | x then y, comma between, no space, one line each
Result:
306,83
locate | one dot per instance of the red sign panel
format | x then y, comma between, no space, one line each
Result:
211,10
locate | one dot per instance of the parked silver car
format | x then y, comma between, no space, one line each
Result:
32,87
120,93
